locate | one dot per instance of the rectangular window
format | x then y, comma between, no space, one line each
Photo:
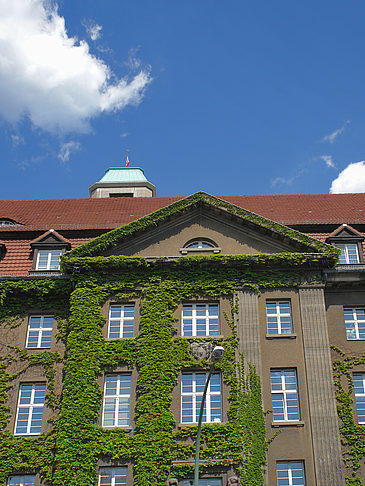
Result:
30,409
121,321
113,476
349,253
200,320
284,395
117,400
359,387
48,259
290,473
204,482
192,388
355,323
278,317
26,480
39,332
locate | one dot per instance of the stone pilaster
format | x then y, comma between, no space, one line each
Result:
248,328
325,432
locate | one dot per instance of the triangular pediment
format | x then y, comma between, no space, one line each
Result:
50,238
344,232
201,216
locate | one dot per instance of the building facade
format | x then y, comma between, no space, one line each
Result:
104,357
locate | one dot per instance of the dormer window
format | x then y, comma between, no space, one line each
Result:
47,250
7,222
48,259
200,245
349,241
349,253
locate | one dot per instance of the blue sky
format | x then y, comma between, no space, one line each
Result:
232,97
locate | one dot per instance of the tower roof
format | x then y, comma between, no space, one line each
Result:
123,174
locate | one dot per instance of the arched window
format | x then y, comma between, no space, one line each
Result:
200,245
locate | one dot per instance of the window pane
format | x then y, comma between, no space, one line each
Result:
354,323
40,332
284,395
121,321
117,400
113,476
359,388
290,473
349,253
278,317
200,320
192,388
48,259
30,408
26,480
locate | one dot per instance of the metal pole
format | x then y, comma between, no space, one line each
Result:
197,447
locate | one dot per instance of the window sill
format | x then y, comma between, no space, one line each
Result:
44,272
218,336
296,423
281,336
352,340
192,251
195,424
127,428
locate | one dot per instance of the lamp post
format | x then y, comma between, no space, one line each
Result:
216,356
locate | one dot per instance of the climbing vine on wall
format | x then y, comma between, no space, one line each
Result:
353,434
68,454
17,298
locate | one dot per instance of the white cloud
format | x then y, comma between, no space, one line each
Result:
282,180
351,179
66,150
16,140
51,78
94,30
328,160
332,136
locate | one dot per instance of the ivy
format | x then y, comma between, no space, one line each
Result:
353,434
69,452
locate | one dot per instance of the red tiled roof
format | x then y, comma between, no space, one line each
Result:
107,213
112,212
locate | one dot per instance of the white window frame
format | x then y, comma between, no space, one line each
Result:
40,331
194,318
21,480
49,257
117,398
113,471
208,402
285,392
278,315
353,322
32,407
359,395
289,469
344,247
122,320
